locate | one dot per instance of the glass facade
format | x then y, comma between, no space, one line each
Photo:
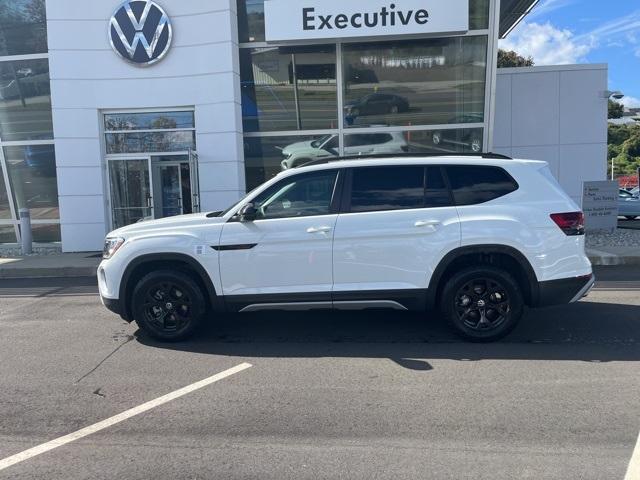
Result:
306,102
27,156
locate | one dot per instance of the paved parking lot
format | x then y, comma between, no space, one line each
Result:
367,395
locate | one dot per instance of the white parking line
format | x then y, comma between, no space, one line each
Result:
96,427
633,471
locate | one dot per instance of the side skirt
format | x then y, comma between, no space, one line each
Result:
414,300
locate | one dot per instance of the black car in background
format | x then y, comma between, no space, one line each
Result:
376,104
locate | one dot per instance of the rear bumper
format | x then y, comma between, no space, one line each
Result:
565,290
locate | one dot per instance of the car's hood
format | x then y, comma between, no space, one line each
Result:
170,223
297,147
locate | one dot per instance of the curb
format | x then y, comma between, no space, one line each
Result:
601,258
8,273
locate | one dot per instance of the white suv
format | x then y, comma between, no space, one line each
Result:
479,238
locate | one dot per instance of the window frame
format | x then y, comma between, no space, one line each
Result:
347,190
479,165
334,204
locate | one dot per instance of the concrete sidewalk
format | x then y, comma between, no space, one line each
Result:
56,265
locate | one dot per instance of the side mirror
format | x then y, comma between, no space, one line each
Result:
248,213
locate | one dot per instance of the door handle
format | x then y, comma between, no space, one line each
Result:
318,229
427,223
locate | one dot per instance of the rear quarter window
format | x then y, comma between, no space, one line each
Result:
471,184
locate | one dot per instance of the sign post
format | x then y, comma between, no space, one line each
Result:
600,206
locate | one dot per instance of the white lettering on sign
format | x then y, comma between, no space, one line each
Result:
600,205
325,19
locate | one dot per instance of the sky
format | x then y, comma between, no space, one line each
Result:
585,31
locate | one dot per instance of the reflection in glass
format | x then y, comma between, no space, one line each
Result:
7,234
387,188
265,157
288,88
23,27
5,211
375,143
45,233
25,101
149,120
478,14
415,82
32,173
139,142
130,191
251,20
463,140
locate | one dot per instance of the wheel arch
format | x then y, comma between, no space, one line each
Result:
140,266
496,255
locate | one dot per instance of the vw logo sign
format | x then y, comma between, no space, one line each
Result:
140,32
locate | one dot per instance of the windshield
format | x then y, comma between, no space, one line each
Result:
320,141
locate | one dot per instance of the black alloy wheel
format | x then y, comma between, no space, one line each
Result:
168,305
482,303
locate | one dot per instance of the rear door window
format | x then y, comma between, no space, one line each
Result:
387,188
471,184
436,191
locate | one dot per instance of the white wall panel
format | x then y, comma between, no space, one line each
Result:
82,209
80,152
83,237
80,180
556,114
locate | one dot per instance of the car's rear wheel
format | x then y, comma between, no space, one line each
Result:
394,109
482,303
476,145
168,305
436,138
631,217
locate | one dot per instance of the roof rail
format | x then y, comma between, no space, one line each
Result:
383,156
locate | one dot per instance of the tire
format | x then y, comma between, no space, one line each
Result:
394,109
436,138
470,323
168,305
355,112
630,217
476,145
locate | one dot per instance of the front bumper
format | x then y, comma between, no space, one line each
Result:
564,290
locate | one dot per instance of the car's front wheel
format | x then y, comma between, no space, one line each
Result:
482,303
168,305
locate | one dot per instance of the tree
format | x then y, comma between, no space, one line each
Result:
615,109
510,58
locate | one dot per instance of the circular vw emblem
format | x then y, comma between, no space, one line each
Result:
140,32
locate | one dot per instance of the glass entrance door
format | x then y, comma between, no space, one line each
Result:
131,199
152,187
172,186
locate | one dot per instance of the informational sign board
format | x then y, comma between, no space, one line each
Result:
288,20
600,206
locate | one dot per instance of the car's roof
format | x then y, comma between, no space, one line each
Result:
385,160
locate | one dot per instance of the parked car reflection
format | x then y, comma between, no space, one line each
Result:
628,205
299,153
376,104
471,138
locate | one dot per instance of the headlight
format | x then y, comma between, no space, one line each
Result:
111,246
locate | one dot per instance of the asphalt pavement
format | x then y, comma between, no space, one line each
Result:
328,395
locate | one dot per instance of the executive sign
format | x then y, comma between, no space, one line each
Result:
287,20
140,32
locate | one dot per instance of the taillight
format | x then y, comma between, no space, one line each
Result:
571,223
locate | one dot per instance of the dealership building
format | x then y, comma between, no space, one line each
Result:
113,113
